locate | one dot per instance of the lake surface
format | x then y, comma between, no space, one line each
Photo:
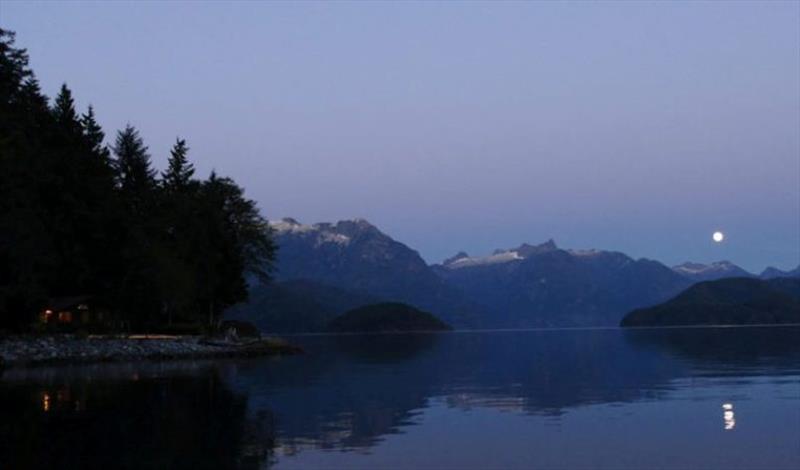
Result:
712,398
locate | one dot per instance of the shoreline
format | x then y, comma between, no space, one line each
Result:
32,351
546,329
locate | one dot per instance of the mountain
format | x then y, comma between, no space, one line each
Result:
543,285
326,269
353,255
771,273
386,317
734,301
710,272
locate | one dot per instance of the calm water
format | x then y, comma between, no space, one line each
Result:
543,399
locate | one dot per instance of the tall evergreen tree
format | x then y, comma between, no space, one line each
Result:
179,171
14,69
74,220
94,134
64,110
132,163
237,241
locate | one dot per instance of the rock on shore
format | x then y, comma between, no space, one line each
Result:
33,350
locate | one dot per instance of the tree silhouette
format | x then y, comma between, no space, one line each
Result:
179,171
75,219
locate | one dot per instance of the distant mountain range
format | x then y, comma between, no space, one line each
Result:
326,269
543,285
725,269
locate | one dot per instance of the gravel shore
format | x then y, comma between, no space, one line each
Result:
35,350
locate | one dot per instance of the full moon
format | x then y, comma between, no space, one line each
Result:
718,236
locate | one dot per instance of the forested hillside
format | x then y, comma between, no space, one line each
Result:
79,218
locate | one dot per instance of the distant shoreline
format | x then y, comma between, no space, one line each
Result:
31,351
555,328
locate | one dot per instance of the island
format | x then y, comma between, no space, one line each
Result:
386,317
731,301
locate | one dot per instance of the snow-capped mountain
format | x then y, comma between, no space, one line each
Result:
463,260
710,272
324,267
356,256
543,285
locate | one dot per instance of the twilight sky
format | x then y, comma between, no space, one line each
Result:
633,126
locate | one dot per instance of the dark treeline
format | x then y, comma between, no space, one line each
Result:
78,218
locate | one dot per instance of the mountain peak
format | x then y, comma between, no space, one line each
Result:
526,249
288,224
463,260
712,271
456,257
353,227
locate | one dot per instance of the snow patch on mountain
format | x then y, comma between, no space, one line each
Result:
710,272
324,233
499,256
496,258
691,268
698,268
289,225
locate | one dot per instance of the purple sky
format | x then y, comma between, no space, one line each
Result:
640,127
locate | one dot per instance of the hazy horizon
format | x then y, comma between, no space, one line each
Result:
636,127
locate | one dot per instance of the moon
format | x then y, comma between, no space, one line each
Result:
718,236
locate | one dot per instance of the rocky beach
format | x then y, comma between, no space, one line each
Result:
16,351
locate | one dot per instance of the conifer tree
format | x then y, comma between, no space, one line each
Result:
94,134
64,109
14,69
74,220
179,172
132,164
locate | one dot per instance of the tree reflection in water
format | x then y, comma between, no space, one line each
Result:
349,393
167,416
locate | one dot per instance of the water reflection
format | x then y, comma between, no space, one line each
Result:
728,417
98,417
352,393
719,351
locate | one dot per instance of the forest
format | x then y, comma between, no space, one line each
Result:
87,220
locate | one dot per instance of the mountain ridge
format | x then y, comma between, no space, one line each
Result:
351,262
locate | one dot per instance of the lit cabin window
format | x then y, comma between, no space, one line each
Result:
64,317
46,315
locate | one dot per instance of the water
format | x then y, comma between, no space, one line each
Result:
672,398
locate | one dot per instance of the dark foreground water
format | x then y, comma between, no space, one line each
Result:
674,398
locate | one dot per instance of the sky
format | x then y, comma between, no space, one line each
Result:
631,126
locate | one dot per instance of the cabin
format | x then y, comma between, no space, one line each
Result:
66,313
